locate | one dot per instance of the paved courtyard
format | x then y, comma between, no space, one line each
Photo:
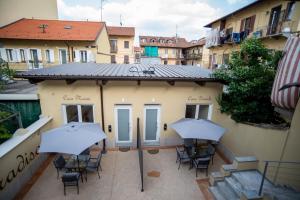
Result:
120,179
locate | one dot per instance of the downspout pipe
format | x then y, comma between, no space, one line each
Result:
102,115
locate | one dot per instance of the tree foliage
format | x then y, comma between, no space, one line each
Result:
6,73
249,77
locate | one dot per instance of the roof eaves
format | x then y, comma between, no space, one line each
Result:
232,13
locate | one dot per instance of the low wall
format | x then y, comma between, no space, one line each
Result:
19,159
263,143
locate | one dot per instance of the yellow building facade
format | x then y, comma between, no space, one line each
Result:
12,10
33,53
121,44
271,21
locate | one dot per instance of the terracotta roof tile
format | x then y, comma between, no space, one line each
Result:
172,42
55,30
120,31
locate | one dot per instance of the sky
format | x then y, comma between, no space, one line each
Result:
152,17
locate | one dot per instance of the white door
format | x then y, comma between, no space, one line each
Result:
151,123
123,123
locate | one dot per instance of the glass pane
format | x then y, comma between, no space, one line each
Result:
151,124
72,113
190,111
203,112
63,54
123,124
87,113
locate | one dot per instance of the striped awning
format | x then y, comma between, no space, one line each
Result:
286,90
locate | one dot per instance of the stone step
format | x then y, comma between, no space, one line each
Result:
216,193
235,185
227,191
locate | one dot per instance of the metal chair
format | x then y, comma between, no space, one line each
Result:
94,164
201,163
211,151
59,164
182,156
71,179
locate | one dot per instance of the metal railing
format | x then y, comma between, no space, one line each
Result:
140,154
281,173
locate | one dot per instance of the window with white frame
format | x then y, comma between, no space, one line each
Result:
9,54
47,53
78,113
83,56
22,55
198,111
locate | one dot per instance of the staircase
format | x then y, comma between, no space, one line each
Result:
232,183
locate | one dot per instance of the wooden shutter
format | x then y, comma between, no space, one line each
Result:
252,22
51,53
39,54
3,54
242,25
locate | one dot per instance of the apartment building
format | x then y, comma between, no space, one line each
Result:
32,44
164,50
13,10
271,21
121,41
196,53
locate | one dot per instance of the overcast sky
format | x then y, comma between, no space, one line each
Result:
152,17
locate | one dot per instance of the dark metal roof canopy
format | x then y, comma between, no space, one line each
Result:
130,72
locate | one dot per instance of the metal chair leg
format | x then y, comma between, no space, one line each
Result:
98,174
179,164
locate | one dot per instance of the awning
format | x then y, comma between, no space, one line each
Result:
286,90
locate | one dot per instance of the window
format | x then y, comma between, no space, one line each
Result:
126,59
247,24
165,62
63,56
225,59
22,55
290,10
113,46
198,111
166,51
78,113
174,51
9,54
47,52
126,44
83,56
113,59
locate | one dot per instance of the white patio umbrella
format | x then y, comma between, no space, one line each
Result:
198,129
72,138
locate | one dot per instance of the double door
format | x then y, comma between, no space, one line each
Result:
123,123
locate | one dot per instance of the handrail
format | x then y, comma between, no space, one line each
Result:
288,162
267,162
140,154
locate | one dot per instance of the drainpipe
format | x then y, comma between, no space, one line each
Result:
102,114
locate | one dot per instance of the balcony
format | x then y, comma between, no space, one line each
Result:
114,49
193,56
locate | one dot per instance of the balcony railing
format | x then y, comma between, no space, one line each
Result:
113,49
283,27
191,56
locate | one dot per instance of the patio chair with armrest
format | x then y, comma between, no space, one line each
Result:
70,179
94,164
211,151
201,163
59,164
182,156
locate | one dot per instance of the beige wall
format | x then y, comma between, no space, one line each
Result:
264,144
12,10
172,100
99,50
19,164
121,52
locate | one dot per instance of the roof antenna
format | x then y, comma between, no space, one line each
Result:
121,24
101,8
176,35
